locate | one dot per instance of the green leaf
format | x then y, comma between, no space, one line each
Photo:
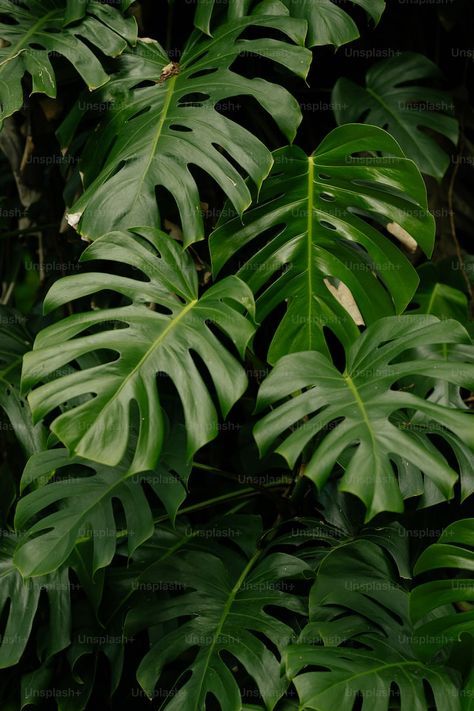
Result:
75,10
409,111
328,23
160,339
43,27
15,341
235,9
370,672
353,411
328,535
355,592
445,302
467,693
34,685
450,552
441,300
319,212
453,552
84,506
359,612
21,598
154,133
126,581
91,640
227,602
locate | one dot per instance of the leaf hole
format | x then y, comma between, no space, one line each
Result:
327,197
193,99
202,73
327,225
204,369
139,113
167,206
180,128
160,309
235,164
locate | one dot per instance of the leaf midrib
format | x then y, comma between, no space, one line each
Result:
173,323
225,614
81,516
164,113
361,406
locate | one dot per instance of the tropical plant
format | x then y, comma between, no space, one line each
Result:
412,113
31,31
236,359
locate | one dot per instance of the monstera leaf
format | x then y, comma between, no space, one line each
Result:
124,582
328,23
365,651
41,27
453,552
157,131
85,509
445,302
356,592
229,601
163,326
409,111
357,411
19,601
329,216
337,531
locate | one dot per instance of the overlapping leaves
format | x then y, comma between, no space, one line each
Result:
83,494
165,323
398,96
328,219
328,22
164,120
15,341
360,638
19,599
34,29
452,597
84,508
361,412
227,601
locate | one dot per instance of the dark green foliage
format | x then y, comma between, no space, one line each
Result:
236,358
